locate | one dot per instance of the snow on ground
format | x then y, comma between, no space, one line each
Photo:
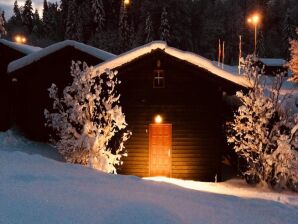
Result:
35,188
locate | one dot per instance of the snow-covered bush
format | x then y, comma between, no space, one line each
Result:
294,58
262,133
88,121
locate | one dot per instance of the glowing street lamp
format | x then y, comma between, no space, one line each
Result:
255,20
20,39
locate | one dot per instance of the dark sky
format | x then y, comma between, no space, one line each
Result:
7,5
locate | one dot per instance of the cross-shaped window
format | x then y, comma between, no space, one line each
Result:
159,79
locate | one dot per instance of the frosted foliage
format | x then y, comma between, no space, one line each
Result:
149,29
124,29
2,28
99,14
263,135
294,58
164,26
88,120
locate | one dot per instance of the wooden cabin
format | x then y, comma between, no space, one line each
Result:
173,102
9,51
273,66
32,76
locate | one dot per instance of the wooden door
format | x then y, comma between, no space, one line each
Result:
160,150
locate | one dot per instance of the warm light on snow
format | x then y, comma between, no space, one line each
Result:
236,187
37,189
158,119
189,184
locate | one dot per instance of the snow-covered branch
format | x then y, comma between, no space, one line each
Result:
88,120
262,134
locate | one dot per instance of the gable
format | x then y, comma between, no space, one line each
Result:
52,49
188,57
8,55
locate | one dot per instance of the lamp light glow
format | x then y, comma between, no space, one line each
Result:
126,2
158,119
255,20
20,39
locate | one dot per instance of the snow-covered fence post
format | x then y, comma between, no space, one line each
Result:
263,134
88,121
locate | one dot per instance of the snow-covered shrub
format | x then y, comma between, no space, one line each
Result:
88,121
294,58
262,133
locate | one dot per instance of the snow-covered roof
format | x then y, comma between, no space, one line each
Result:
22,62
26,49
182,55
273,61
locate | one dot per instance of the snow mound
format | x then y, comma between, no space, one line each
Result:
22,62
36,189
26,49
12,141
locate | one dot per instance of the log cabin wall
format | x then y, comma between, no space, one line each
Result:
7,55
191,101
30,92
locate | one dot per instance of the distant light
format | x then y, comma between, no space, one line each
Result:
254,19
20,39
126,2
158,119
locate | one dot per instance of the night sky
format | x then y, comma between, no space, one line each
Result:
7,5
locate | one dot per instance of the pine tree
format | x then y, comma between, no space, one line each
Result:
88,118
2,28
99,14
261,44
64,14
52,22
148,29
288,32
28,15
124,29
79,34
45,17
294,58
45,8
17,16
164,26
71,23
37,24
212,28
132,35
